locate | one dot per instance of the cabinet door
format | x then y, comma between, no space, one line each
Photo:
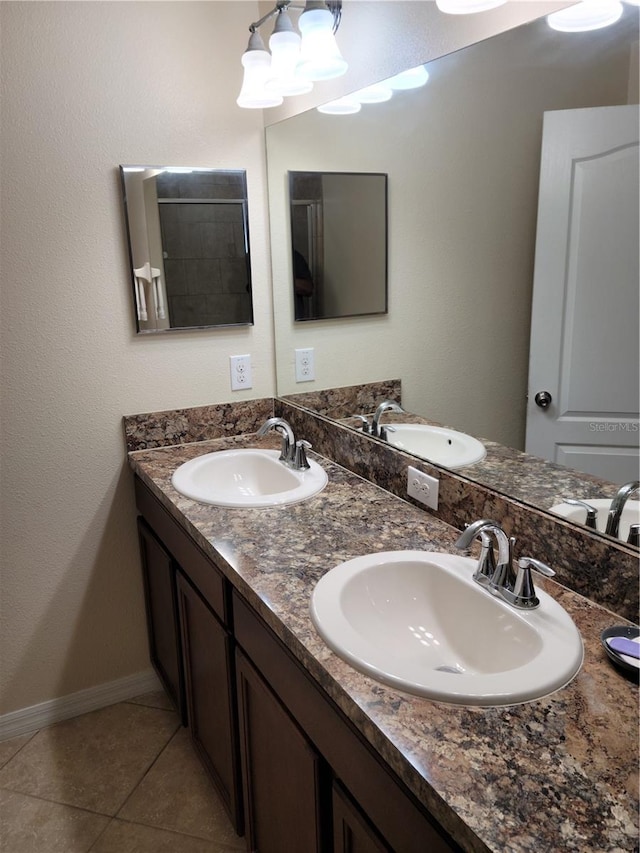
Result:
159,575
352,832
282,774
210,689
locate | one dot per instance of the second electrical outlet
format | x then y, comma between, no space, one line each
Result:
305,365
240,366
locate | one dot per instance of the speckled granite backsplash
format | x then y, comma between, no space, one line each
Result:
583,561
182,426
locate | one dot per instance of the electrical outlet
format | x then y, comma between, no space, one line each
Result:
240,366
305,365
422,487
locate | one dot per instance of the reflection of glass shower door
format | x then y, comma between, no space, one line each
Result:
206,261
307,236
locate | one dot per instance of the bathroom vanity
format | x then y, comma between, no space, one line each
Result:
310,755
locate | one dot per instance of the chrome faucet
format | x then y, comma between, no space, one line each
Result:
292,453
516,589
592,512
617,505
385,406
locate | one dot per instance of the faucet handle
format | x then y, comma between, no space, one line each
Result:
487,562
300,462
364,423
524,594
385,430
634,535
592,512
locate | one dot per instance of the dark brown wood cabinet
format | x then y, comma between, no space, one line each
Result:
207,650
284,758
352,832
283,775
159,577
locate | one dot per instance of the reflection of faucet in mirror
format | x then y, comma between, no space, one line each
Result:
617,505
592,512
386,406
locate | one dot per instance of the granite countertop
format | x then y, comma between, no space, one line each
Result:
560,773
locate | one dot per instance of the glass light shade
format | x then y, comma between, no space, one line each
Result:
586,15
341,107
467,7
285,53
413,78
376,94
257,69
320,57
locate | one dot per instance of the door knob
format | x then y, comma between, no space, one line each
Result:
543,399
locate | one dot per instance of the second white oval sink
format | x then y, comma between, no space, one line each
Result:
246,478
417,621
443,446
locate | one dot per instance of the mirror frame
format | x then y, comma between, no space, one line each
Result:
382,274
153,281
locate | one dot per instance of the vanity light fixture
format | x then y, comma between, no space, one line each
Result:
586,15
296,58
412,78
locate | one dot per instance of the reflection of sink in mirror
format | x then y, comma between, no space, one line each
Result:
246,478
437,444
630,514
417,621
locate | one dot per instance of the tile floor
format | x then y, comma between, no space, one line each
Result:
124,779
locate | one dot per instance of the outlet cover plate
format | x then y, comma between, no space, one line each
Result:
240,367
422,487
305,365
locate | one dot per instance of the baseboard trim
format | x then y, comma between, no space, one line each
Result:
36,717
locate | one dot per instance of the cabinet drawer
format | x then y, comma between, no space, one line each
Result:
399,818
194,563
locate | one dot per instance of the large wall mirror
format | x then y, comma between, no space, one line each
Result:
339,244
463,157
188,247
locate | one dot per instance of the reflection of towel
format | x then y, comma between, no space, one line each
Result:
158,294
141,303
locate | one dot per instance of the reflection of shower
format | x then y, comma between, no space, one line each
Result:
307,235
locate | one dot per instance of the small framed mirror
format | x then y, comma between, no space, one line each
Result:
188,247
339,244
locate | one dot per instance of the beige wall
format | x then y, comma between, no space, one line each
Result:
89,86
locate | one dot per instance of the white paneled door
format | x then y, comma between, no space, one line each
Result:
584,377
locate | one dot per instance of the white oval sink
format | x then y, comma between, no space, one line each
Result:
246,478
417,621
630,514
437,444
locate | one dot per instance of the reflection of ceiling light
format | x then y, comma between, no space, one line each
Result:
413,78
296,59
586,15
467,7
341,107
377,94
